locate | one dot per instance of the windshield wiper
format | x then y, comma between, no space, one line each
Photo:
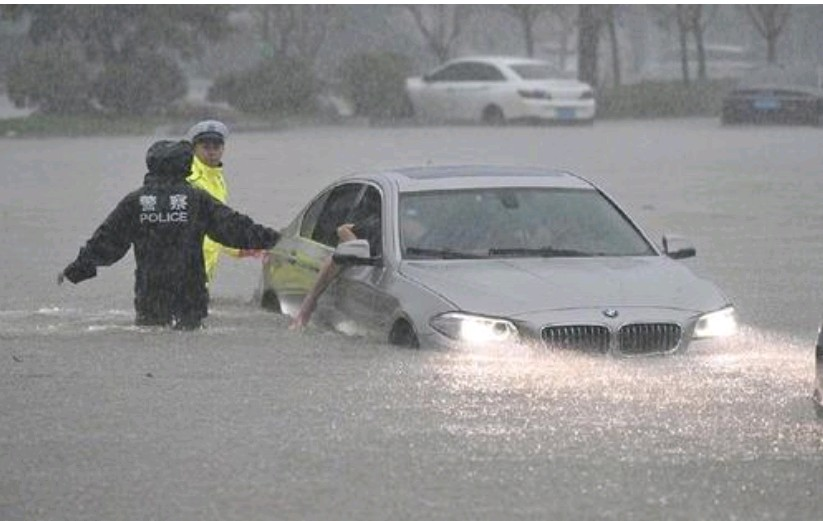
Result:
444,253
540,252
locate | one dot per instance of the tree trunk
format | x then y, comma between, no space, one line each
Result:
683,33
701,54
769,20
528,34
698,29
616,79
588,36
771,48
565,37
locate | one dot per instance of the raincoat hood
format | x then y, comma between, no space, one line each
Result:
169,161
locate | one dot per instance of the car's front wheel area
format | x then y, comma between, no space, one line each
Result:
493,115
270,301
403,335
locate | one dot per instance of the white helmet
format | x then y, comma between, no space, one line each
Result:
209,128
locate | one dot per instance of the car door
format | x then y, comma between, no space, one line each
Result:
473,90
433,96
297,259
359,294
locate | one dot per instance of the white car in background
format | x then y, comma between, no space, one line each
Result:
494,90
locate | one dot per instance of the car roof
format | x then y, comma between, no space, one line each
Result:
501,60
455,177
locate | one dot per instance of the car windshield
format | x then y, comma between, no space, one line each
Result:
537,71
515,222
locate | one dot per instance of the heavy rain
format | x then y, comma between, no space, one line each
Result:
248,420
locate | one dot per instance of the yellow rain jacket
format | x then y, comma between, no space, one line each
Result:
211,180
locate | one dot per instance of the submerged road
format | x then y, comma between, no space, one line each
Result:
249,421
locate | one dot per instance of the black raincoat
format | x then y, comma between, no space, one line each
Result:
165,221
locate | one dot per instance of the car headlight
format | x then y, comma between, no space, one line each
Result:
716,323
474,329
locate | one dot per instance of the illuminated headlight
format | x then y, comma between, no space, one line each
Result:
716,323
474,329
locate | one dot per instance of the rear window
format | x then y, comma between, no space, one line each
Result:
534,71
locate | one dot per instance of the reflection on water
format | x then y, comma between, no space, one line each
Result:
731,400
251,398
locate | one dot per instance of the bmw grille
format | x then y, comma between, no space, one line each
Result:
631,339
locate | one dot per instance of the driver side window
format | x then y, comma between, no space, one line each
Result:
335,210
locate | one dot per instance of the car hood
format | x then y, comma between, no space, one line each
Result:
512,287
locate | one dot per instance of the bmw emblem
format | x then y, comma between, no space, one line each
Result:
610,313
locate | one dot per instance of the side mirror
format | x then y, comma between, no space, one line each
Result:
354,253
678,247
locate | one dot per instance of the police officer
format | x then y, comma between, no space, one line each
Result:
166,220
209,140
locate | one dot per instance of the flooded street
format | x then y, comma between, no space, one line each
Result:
247,420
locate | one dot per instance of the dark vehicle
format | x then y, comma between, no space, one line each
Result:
777,95
818,387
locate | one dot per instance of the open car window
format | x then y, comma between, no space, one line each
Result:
334,210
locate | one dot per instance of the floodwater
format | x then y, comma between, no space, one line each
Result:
247,420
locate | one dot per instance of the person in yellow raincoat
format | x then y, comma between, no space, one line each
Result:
209,139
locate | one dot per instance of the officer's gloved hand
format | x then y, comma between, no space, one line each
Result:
77,272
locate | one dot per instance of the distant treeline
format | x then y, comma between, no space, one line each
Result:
279,59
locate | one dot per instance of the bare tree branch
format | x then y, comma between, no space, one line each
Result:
440,25
296,30
769,20
527,15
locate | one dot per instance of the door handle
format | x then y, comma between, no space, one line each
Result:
295,261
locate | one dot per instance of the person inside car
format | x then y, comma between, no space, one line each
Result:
369,228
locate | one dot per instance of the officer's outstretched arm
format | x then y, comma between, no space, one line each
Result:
107,245
233,229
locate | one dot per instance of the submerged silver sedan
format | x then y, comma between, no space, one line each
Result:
489,255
